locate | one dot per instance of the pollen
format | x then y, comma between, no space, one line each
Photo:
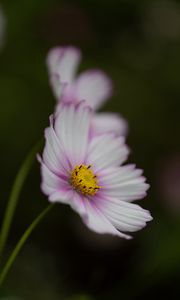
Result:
83,180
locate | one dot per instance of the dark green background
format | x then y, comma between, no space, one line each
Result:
138,44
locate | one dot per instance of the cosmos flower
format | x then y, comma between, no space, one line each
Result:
94,86
86,172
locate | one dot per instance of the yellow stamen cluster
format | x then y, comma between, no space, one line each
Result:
84,181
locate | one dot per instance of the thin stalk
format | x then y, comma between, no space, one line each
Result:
21,243
14,196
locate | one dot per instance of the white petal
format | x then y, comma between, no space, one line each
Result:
51,182
106,151
72,198
57,86
54,156
108,122
61,195
94,86
64,62
124,183
124,216
98,222
72,128
77,204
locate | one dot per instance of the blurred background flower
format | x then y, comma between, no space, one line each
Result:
137,43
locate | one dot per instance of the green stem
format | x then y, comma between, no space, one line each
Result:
21,242
13,199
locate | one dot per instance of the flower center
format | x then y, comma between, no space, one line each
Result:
84,181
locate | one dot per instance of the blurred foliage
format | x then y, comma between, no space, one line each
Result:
138,44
